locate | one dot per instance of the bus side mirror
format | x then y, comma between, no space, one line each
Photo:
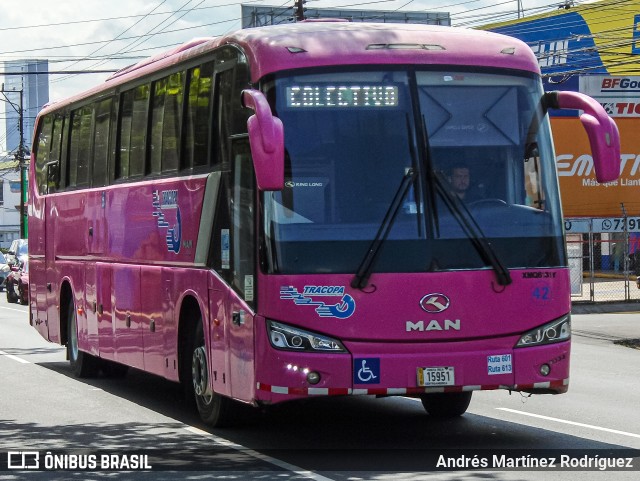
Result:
604,137
266,137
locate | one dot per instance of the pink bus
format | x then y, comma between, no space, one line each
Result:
314,209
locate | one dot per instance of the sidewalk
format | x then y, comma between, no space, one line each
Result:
623,323
631,307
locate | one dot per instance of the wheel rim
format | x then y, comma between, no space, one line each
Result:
200,375
73,336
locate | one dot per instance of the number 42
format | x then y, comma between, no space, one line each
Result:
541,293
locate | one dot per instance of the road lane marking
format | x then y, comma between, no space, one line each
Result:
262,457
573,423
25,311
15,358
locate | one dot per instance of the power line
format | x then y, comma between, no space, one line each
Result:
127,17
58,72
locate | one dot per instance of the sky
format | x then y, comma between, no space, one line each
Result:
94,36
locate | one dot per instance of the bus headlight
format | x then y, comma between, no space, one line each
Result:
555,331
290,338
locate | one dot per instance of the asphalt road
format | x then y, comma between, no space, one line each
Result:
44,409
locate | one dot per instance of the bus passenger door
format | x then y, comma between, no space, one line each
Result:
242,242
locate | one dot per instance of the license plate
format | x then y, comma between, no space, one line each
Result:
436,376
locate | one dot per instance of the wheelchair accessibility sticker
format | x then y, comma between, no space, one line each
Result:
310,296
366,371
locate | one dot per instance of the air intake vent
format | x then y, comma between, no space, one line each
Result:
404,46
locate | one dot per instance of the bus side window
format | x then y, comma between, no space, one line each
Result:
65,166
101,143
197,131
42,154
132,132
80,146
224,86
231,115
166,118
54,173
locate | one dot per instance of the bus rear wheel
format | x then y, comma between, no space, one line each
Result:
446,405
214,409
82,364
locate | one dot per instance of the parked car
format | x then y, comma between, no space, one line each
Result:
18,249
17,283
4,270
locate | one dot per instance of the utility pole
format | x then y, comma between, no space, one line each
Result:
22,165
298,10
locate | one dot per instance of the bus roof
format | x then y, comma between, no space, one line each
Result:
323,43
309,44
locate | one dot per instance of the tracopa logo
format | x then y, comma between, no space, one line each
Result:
434,303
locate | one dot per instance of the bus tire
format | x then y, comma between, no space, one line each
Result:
214,409
446,405
23,296
82,364
11,295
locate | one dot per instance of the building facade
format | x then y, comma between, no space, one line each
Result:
9,200
26,82
25,90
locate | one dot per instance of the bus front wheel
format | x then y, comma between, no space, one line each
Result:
214,409
82,364
446,405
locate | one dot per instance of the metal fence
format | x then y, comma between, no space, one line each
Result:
604,259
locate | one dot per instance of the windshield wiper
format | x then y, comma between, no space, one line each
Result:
361,278
472,230
462,215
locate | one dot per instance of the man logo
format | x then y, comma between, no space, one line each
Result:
434,303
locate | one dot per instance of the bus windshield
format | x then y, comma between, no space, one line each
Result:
471,148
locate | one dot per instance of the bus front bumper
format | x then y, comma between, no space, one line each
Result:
412,369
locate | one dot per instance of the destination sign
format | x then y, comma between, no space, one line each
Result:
337,96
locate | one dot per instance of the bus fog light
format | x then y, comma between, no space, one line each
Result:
313,377
545,369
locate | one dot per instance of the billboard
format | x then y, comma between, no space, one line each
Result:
582,195
594,49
